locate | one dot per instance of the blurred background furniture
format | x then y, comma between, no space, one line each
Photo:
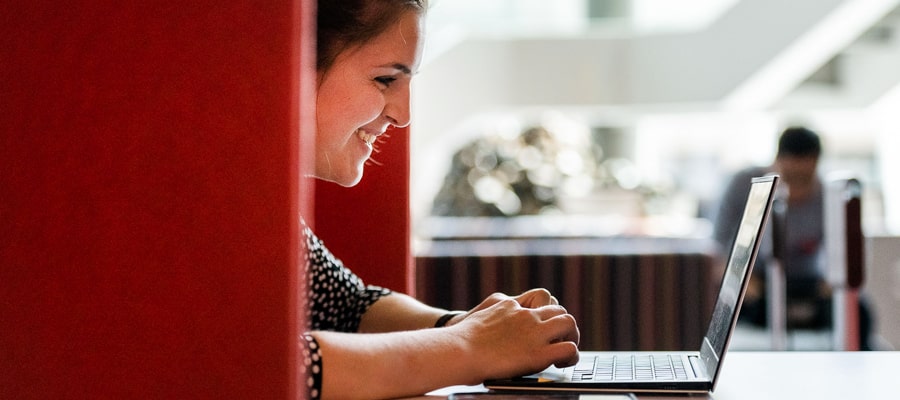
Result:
627,292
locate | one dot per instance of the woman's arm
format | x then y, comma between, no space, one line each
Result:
495,340
399,312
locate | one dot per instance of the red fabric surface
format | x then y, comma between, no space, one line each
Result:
367,226
149,198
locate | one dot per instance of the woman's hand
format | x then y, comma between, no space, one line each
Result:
511,336
533,298
502,337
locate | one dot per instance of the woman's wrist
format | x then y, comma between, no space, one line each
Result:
444,319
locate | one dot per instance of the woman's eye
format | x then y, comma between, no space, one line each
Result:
385,80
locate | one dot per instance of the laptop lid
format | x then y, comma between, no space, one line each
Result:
737,272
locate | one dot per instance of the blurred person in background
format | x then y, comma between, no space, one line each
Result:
808,295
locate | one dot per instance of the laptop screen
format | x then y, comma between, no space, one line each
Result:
740,263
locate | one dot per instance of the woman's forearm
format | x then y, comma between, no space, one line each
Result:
398,312
391,365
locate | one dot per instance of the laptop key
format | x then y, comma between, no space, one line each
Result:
584,366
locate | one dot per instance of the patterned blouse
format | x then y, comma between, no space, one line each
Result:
337,300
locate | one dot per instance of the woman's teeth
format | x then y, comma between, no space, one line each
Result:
367,138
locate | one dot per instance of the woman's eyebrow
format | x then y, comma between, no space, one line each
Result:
402,68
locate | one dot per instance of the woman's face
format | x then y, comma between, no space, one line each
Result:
364,92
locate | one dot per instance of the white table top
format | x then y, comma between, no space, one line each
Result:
793,375
809,375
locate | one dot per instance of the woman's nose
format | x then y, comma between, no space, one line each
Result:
396,110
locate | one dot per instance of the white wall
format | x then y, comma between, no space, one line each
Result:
882,286
667,86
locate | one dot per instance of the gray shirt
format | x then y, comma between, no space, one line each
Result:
803,227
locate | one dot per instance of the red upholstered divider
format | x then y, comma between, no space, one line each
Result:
368,226
149,194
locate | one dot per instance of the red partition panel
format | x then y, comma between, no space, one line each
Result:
368,226
149,193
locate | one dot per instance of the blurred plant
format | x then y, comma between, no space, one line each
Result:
525,175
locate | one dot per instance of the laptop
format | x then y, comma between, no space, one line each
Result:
663,371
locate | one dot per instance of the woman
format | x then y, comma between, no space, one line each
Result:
365,341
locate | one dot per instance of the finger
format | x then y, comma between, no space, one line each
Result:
563,328
547,312
534,298
563,354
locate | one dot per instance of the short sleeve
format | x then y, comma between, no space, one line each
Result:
337,297
312,357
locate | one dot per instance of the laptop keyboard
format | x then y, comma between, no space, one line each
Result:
635,367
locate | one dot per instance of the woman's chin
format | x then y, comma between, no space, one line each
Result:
351,182
348,179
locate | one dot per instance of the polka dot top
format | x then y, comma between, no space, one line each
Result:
337,300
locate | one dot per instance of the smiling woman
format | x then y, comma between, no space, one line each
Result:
369,51
363,88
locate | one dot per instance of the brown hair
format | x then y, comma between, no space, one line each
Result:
343,24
